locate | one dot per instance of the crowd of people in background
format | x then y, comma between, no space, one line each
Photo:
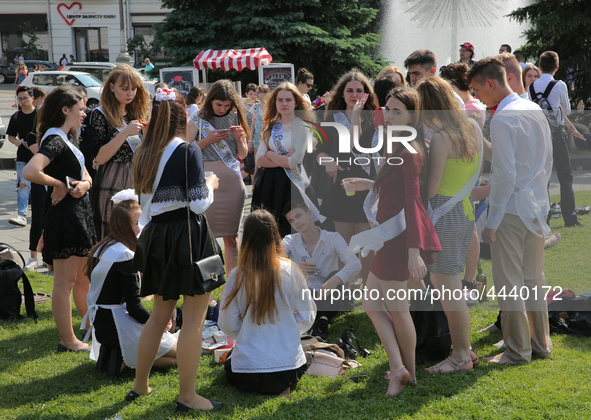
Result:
162,178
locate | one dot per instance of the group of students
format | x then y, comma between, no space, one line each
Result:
417,215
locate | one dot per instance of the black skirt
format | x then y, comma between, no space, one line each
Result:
269,383
272,191
68,228
162,253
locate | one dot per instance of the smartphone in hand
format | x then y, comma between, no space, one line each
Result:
69,182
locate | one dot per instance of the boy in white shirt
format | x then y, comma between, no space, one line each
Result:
518,204
318,253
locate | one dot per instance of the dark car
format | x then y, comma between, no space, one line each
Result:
8,74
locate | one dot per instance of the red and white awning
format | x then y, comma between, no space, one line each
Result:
232,59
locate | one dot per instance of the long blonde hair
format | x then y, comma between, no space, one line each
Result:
258,270
437,99
272,116
137,109
169,120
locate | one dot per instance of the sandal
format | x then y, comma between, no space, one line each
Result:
456,366
474,357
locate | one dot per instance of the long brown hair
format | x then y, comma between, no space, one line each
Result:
437,99
223,90
410,99
138,108
121,231
272,115
168,120
258,268
337,101
51,114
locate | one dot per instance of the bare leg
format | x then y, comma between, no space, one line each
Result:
189,350
404,327
230,252
382,321
472,256
61,304
458,317
81,289
168,360
150,342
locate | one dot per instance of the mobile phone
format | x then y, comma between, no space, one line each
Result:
69,183
224,130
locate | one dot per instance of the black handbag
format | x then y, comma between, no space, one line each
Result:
209,272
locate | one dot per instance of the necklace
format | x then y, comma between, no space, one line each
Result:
286,124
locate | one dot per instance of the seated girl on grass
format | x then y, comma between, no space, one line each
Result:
114,305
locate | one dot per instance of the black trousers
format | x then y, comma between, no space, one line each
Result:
561,159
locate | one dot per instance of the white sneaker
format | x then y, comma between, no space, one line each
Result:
19,220
31,265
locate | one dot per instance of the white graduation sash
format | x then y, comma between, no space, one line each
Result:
341,118
434,215
74,149
133,141
374,239
221,148
296,175
146,199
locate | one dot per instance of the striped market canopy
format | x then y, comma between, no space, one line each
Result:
232,59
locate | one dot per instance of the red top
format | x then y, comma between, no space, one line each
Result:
400,189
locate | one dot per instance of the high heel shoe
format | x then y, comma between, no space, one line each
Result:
399,377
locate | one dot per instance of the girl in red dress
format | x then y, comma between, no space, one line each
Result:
400,187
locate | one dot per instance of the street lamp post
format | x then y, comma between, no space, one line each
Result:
123,56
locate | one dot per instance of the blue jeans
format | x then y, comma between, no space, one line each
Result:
22,196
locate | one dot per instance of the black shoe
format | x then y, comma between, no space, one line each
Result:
182,408
320,329
132,395
573,224
62,349
247,180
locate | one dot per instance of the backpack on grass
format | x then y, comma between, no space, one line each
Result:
10,295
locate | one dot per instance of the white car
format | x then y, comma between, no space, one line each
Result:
101,71
49,80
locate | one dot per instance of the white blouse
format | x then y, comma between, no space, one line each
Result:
269,347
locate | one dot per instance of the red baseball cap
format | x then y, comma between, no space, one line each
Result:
468,46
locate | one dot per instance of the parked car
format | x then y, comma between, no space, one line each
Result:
8,74
2,133
49,80
101,71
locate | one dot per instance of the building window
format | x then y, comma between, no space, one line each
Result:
148,33
12,45
92,44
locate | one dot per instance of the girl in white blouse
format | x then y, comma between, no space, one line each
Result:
264,309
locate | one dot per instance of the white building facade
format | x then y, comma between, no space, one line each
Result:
89,30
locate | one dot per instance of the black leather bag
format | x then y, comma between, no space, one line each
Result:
209,272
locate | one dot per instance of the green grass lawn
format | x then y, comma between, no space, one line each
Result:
38,383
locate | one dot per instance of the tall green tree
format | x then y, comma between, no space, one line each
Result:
328,37
563,26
